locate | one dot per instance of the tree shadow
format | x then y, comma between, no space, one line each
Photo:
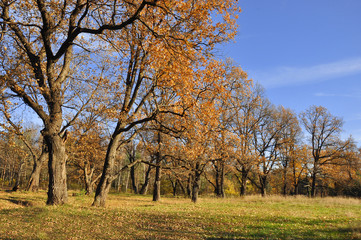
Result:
24,203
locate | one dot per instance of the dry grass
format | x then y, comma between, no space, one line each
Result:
25,216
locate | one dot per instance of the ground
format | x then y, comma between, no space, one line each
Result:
25,216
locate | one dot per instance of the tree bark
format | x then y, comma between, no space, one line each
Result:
133,179
57,191
108,172
189,185
284,188
313,184
89,182
34,181
221,181
219,186
196,182
17,181
145,185
182,188
263,184
243,183
156,189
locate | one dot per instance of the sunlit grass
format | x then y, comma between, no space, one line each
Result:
25,216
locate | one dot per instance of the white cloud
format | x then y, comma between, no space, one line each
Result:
322,94
287,76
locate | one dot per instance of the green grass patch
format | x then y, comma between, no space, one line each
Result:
25,216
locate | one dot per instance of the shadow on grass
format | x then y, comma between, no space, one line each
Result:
24,203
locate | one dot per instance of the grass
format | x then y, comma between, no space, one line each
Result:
25,216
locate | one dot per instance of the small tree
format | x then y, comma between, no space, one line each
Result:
324,130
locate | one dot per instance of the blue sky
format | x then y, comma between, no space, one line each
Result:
304,52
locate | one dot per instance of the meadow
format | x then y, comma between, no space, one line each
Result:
24,215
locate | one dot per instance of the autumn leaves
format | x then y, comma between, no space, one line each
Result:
110,70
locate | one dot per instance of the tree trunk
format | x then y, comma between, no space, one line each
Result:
156,189
34,181
263,184
313,184
108,172
182,187
89,182
127,181
243,183
189,185
57,191
195,189
174,186
284,188
133,179
145,185
218,187
295,188
18,175
221,183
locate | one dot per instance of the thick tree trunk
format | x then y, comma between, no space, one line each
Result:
243,183
108,172
34,181
156,188
57,191
195,188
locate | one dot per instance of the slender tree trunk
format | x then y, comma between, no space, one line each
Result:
182,188
174,186
127,182
221,184
313,184
34,181
18,175
284,188
89,182
119,183
108,172
295,181
145,185
57,191
156,189
133,179
189,185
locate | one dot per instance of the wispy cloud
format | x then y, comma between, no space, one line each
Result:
287,76
322,94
